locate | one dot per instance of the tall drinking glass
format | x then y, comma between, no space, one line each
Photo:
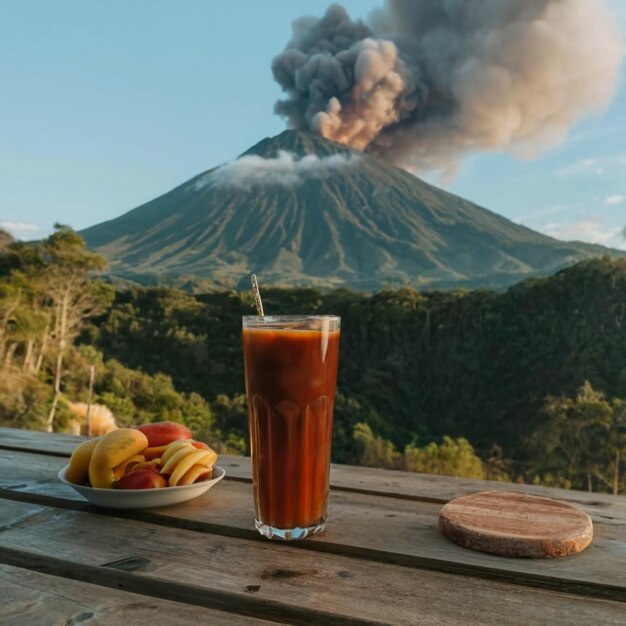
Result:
291,374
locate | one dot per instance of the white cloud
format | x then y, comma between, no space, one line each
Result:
551,210
585,166
21,230
284,169
591,230
615,199
594,167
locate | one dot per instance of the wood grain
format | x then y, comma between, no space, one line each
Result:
382,561
272,580
42,600
376,528
516,525
401,485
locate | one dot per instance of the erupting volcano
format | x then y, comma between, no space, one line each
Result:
299,209
334,202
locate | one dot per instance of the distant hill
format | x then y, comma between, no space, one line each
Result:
325,215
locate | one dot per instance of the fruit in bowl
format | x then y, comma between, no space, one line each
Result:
151,456
142,478
185,463
162,433
126,469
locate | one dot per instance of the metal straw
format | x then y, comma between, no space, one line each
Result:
257,295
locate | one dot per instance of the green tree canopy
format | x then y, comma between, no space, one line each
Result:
581,441
452,457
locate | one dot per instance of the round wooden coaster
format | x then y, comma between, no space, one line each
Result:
516,524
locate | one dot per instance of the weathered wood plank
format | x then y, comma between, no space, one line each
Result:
403,485
377,528
42,600
273,580
55,444
24,473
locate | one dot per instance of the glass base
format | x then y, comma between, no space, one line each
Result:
288,534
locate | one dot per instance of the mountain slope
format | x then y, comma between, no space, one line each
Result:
327,216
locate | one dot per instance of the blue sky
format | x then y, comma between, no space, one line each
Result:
106,105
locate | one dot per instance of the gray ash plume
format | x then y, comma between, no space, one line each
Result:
424,82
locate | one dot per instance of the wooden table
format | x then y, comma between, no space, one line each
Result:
382,559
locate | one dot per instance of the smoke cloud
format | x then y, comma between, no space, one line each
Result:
285,169
425,82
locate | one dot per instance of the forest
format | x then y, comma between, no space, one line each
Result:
527,385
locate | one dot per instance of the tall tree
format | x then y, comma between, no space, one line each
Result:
22,276
617,446
575,440
73,295
10,299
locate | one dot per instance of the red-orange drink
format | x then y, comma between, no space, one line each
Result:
291,374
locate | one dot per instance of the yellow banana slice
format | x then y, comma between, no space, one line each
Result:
176,458
192,475
173,447
186,463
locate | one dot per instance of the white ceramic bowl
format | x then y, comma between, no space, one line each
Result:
143,498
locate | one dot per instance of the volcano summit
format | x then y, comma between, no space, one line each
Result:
299,209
